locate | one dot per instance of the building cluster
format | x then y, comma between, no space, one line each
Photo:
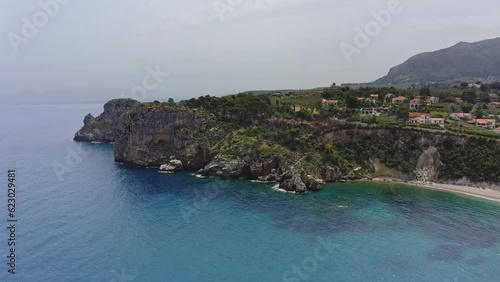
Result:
416,105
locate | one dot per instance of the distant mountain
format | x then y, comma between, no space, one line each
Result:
462,62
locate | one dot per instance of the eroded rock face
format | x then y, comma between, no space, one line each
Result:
298,181
428,164
148,136
104,127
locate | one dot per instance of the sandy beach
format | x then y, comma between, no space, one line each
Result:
487,194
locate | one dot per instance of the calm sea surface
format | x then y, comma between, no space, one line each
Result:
82,217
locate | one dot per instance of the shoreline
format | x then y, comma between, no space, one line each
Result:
486,194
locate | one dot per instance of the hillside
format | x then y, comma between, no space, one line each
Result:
248,137
462,62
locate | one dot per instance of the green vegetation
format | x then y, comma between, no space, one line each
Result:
478,159
299,129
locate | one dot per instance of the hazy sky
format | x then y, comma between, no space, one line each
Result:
220,47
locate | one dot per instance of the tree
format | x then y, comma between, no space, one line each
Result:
425,92
402,112
171,102
470,96
352,103
479,114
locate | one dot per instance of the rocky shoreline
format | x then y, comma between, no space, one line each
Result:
176,138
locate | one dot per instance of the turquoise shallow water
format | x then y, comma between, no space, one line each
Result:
100,221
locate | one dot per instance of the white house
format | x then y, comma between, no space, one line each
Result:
433,100
439,121
493,95
389,96
369,112
458,116
474,85
421,119
416,104
497,130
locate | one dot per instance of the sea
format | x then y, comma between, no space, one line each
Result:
79,216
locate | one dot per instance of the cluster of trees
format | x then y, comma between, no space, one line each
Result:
241,108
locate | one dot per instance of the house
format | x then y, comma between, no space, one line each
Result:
458,116
397,100
439,121
497,130
374,97
389,96
420,119
361,99
474,85
416,104
485,123
334,86
432,100
333,103
369,112
495,104
493,95
459,100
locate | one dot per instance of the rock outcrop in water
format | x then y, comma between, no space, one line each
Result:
104,127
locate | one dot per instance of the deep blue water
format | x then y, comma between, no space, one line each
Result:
83,217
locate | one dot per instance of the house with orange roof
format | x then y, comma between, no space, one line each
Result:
485,123
333,103
438,121
400,99
420,119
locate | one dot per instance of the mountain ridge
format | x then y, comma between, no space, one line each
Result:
463,61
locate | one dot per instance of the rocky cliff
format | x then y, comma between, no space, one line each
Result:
149,135
156,134
103,128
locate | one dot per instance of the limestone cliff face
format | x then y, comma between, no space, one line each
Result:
150,135
103,128
410,154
